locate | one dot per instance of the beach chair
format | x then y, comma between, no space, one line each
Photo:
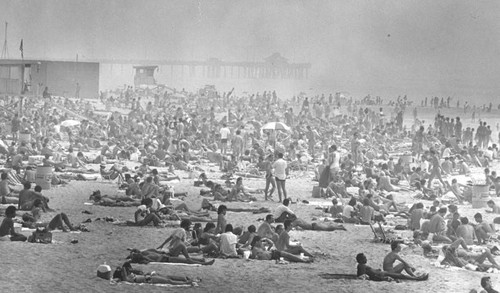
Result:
381,237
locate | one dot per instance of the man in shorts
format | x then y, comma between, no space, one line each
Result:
224,136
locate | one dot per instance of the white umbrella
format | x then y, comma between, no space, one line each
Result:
70,123
276,126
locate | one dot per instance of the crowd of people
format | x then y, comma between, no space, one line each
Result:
347,143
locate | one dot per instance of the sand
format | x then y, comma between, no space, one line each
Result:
66,267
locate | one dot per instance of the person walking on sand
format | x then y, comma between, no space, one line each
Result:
279,167
436,170
270,179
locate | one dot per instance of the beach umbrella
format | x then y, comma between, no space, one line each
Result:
276,126
70,123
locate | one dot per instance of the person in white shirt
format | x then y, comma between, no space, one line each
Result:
279,167
228,242
283,212
224,136
349,212
334,161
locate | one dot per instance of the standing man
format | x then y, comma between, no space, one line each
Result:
224,136
279,167
270,179
237,145
16,124
436,170
334,162
355,144
458,128
311,140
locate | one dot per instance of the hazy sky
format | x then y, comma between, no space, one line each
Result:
452,45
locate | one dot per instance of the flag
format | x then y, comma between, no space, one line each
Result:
21,49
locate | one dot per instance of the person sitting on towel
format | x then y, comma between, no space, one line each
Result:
125,273
283,212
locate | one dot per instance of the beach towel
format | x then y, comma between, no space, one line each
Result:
329,276
157,285
175,264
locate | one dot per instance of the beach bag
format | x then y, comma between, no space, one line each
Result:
41,236
104,271
316,192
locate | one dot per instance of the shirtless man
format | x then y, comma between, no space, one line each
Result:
237,145
283,243
392,257
378,275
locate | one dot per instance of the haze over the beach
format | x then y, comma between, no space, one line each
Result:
387,48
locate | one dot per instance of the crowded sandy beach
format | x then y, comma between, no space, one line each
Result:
249,146
257,193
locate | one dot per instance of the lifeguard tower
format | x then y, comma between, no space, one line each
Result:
144,76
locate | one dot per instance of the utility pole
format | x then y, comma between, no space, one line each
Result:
5,50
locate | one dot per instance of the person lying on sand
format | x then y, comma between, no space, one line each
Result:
392,257
7,226
125,273
462,257
157,178
34,220
168,213
378,275
153,255
260,252
119,201
318,226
